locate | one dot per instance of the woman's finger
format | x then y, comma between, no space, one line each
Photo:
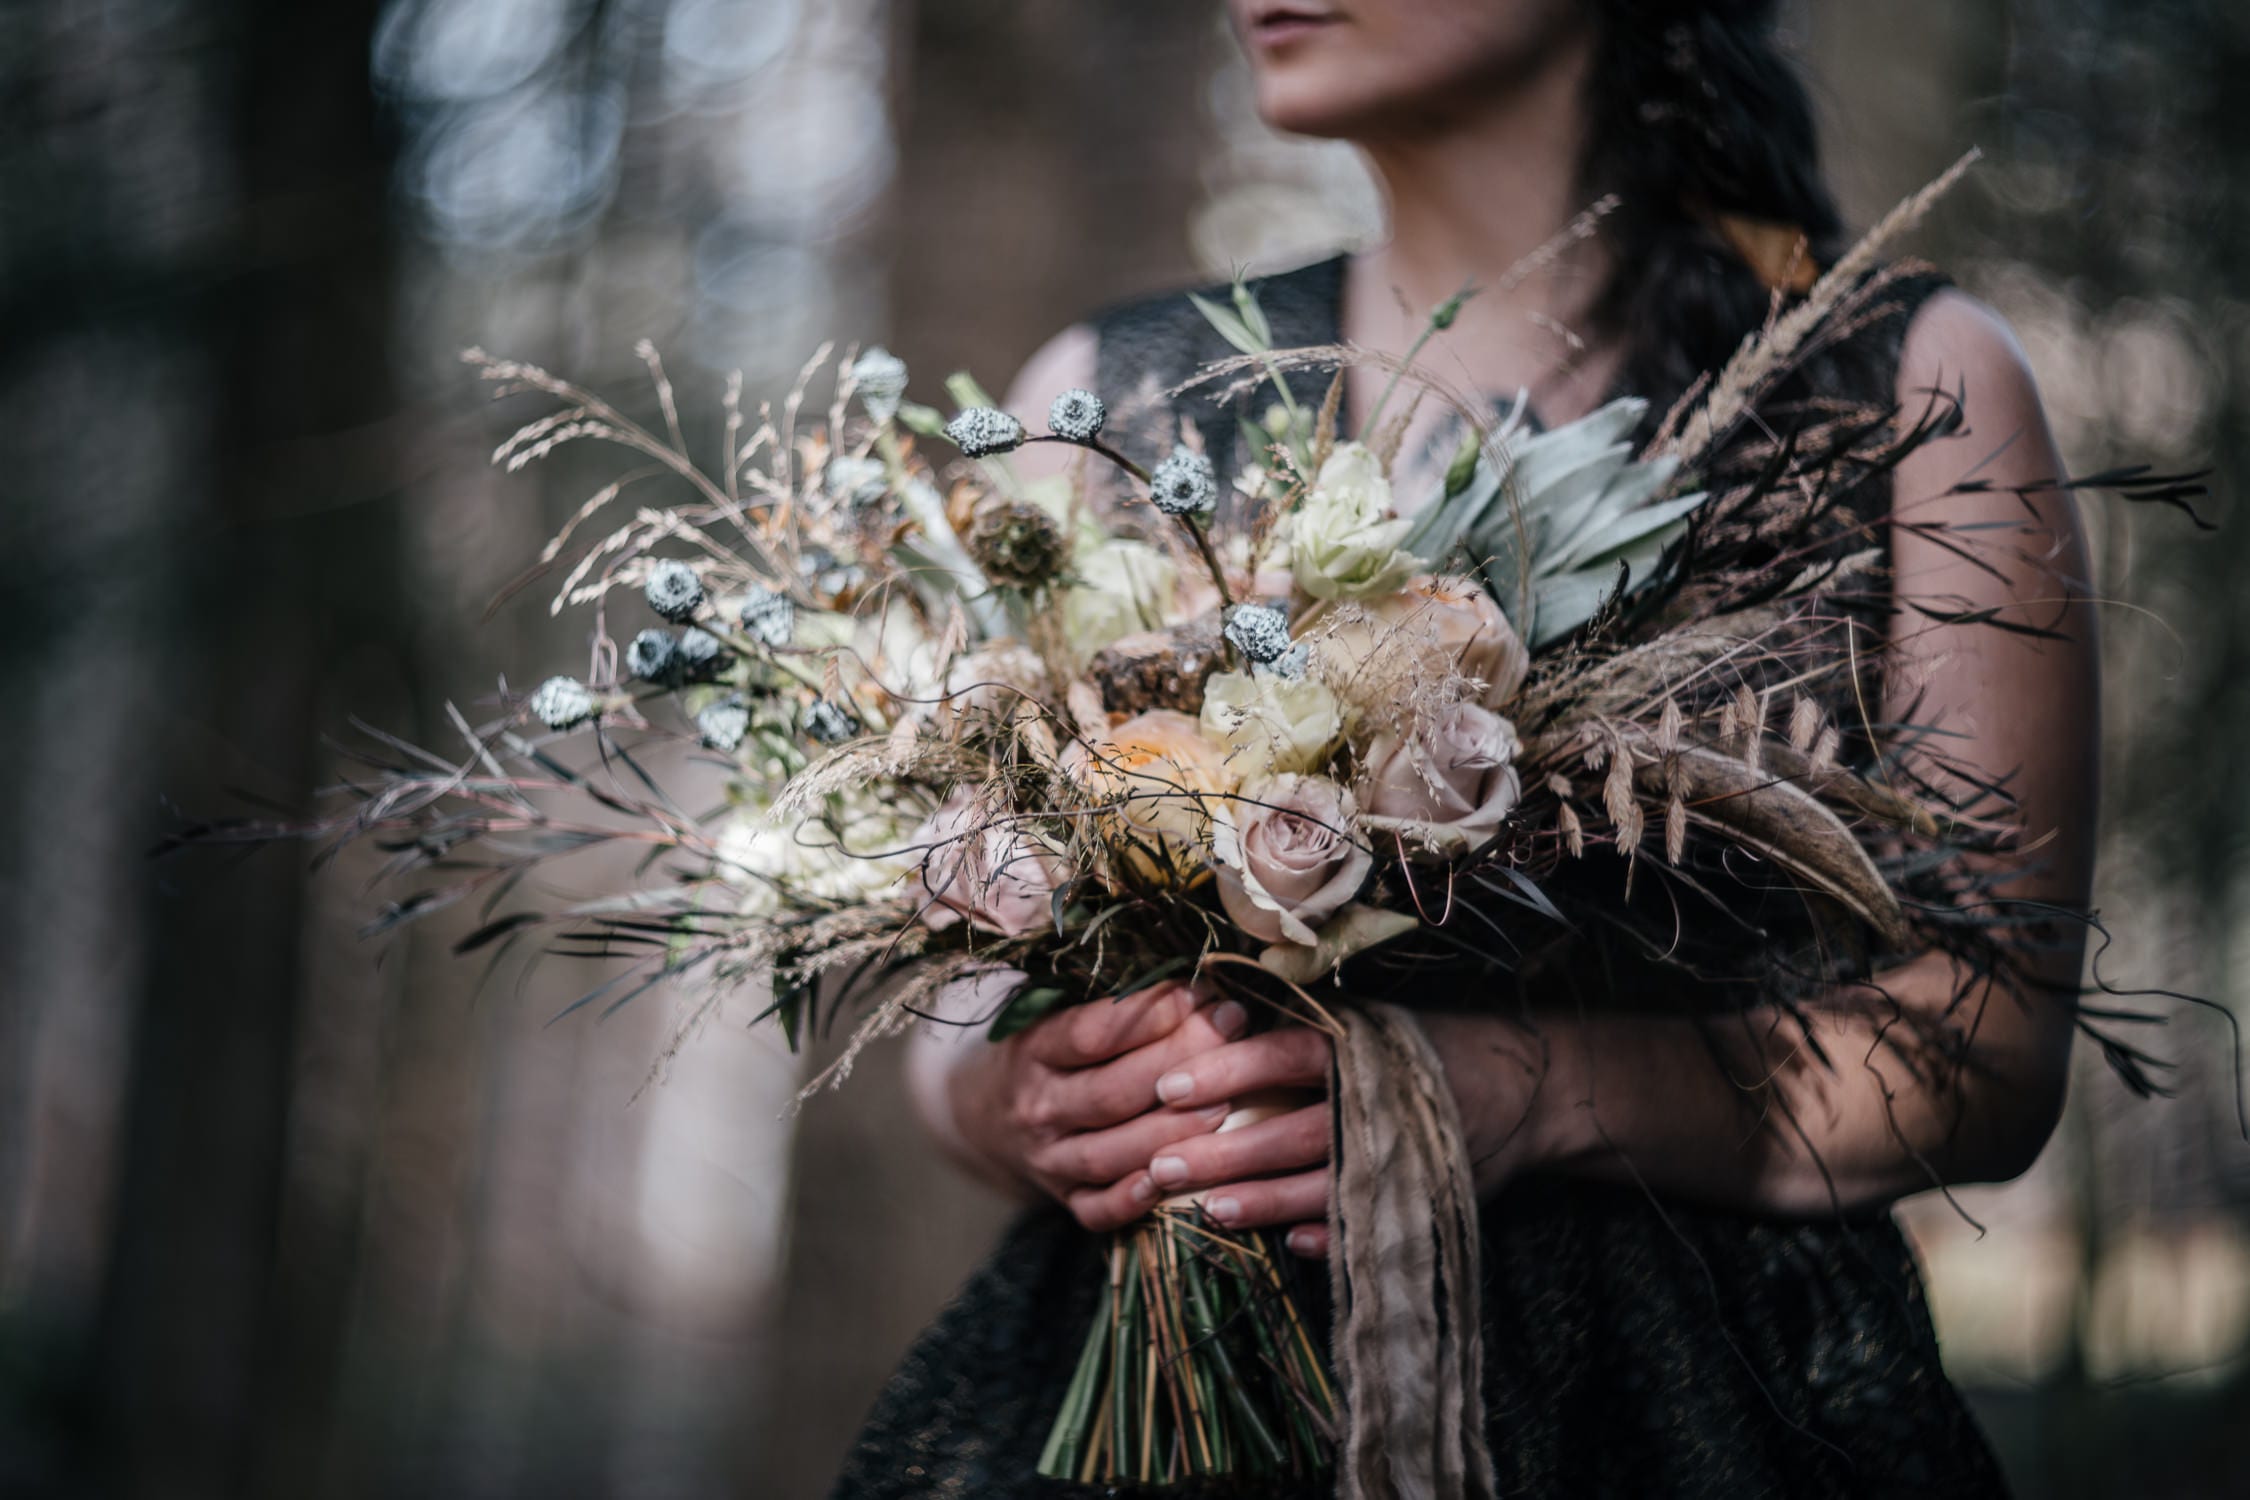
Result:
1105,1156
1274,1200
1103,1209
1308,1240
1285,1143
1084,1035
1124,1087
1291,1055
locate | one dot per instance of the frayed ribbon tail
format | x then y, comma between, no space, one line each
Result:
1409,1343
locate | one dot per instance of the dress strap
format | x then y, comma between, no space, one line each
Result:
1150,345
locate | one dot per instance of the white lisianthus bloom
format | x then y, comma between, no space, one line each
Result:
1270,725
1343,540
1120,587
863,852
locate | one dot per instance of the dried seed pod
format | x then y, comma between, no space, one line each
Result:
673,590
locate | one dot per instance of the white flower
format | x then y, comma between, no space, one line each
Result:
1077,415
1120,587
1184,485
981,431
561,702
861,851
1343,540
1271,725
880,377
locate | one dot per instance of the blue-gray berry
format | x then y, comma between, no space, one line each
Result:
981,431
1259,632
770,618
654,656
673,590
1077,415
1291,664
880,378
825,722
700,654
1184,485
725,724
561,702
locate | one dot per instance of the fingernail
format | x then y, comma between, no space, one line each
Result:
1173,1088
1215,1113
1302,1241
1169,1171
1228,1019
1144,1189
1225,1210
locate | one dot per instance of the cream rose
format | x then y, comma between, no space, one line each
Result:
1161,780
1288,857
1343,539
1449,784
1121,587
999,878
1270,724
1434,628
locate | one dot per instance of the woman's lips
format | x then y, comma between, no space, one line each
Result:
1279,26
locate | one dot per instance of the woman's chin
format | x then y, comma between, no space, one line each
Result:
1317,102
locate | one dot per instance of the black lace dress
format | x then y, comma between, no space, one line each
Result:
1633,1347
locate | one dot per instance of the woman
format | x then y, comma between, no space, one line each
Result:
1682,1295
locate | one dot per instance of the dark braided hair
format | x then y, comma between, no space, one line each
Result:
1695,114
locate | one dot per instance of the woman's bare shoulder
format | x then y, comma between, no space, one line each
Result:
1064,362
1959,344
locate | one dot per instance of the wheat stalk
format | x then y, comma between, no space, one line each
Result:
1767,353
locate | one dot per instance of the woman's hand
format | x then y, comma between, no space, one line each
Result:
1277,1172
1065,1104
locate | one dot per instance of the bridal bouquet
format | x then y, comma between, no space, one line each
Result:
1063,739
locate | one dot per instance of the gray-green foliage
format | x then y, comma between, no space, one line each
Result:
1548,529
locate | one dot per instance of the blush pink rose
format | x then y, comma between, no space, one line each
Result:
991,873
1288,857
1454,777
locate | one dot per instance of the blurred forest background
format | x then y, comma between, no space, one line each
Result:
286,1212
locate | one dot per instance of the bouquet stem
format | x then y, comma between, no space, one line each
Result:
1198,1363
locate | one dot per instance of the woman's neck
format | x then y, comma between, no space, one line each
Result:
1472,196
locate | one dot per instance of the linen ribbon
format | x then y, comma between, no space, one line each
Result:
1408,1341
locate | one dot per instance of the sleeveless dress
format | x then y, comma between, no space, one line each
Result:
1634,1347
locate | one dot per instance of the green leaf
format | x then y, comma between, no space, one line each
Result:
963,388
1253,316
926,420
1355,929
1464,465
1025,1007
1230,325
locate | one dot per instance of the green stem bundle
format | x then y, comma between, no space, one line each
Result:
1198,1363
